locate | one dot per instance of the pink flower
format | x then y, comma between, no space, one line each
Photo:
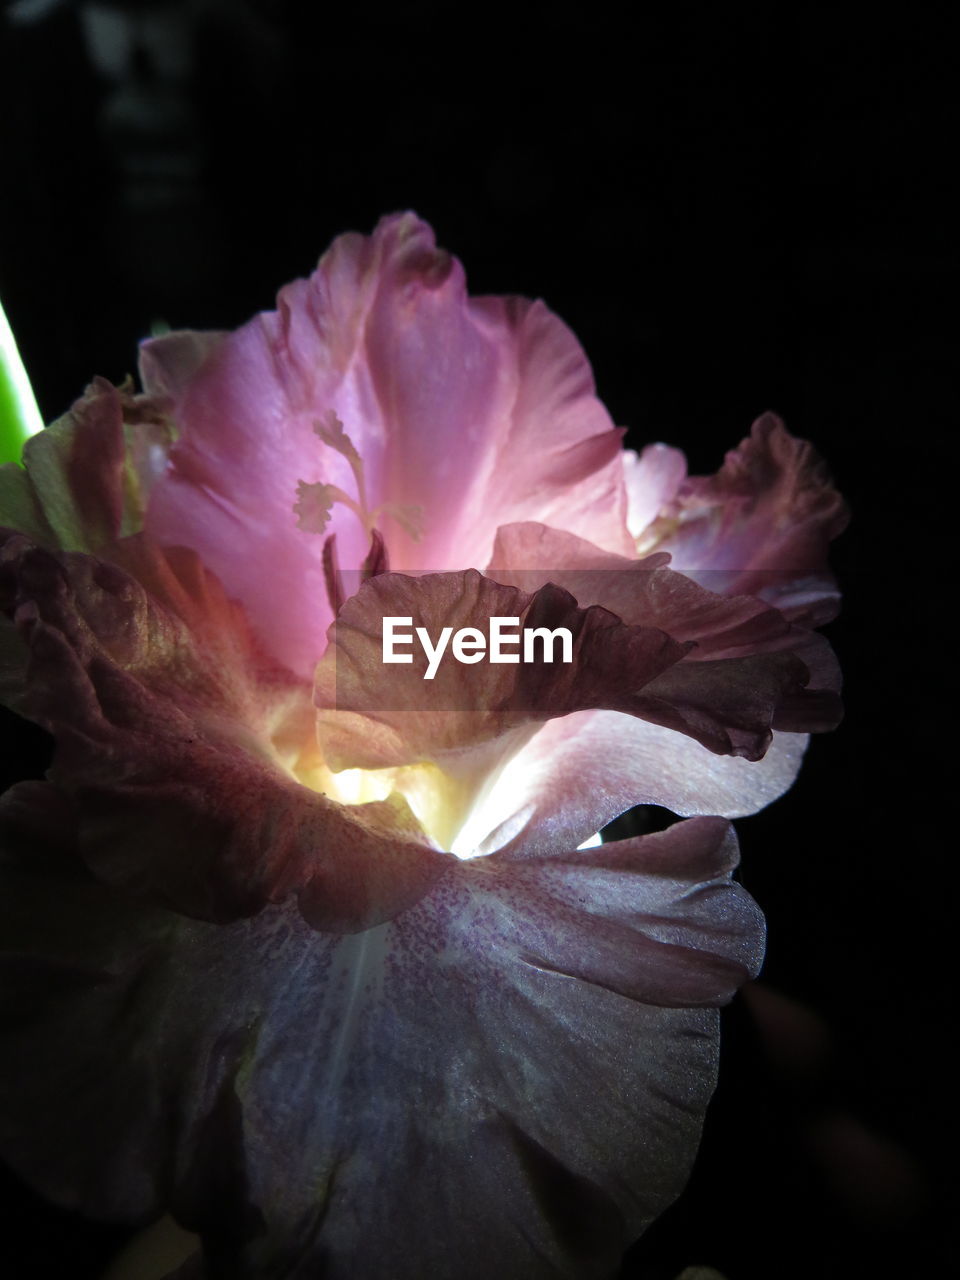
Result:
273,985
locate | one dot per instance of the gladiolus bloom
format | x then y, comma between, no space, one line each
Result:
308,950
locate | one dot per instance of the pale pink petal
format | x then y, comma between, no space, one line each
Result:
514,1071
579,773
164,714
547,450
476,412
652,479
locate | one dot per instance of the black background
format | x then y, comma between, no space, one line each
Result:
732,218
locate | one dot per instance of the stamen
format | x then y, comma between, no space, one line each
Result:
376,561
410,518
315,503
331,574
330,430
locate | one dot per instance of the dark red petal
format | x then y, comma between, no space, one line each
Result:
373,714
640,592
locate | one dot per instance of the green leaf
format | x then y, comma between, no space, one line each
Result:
19,415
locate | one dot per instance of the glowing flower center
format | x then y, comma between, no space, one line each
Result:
449,812
456,809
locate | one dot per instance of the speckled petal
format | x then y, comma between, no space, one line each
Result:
524,1056
577,774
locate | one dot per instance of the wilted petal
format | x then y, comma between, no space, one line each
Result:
732,705
473,411
647,593
373,714
84,478
168,363
761,525
525,1056
640,592
165,717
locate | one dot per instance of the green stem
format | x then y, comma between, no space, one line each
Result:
19,414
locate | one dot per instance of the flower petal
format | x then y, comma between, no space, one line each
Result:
167,364
652,480
763,522
640,592
165,715
82,482
374,715
520,1061
577,774
474,411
